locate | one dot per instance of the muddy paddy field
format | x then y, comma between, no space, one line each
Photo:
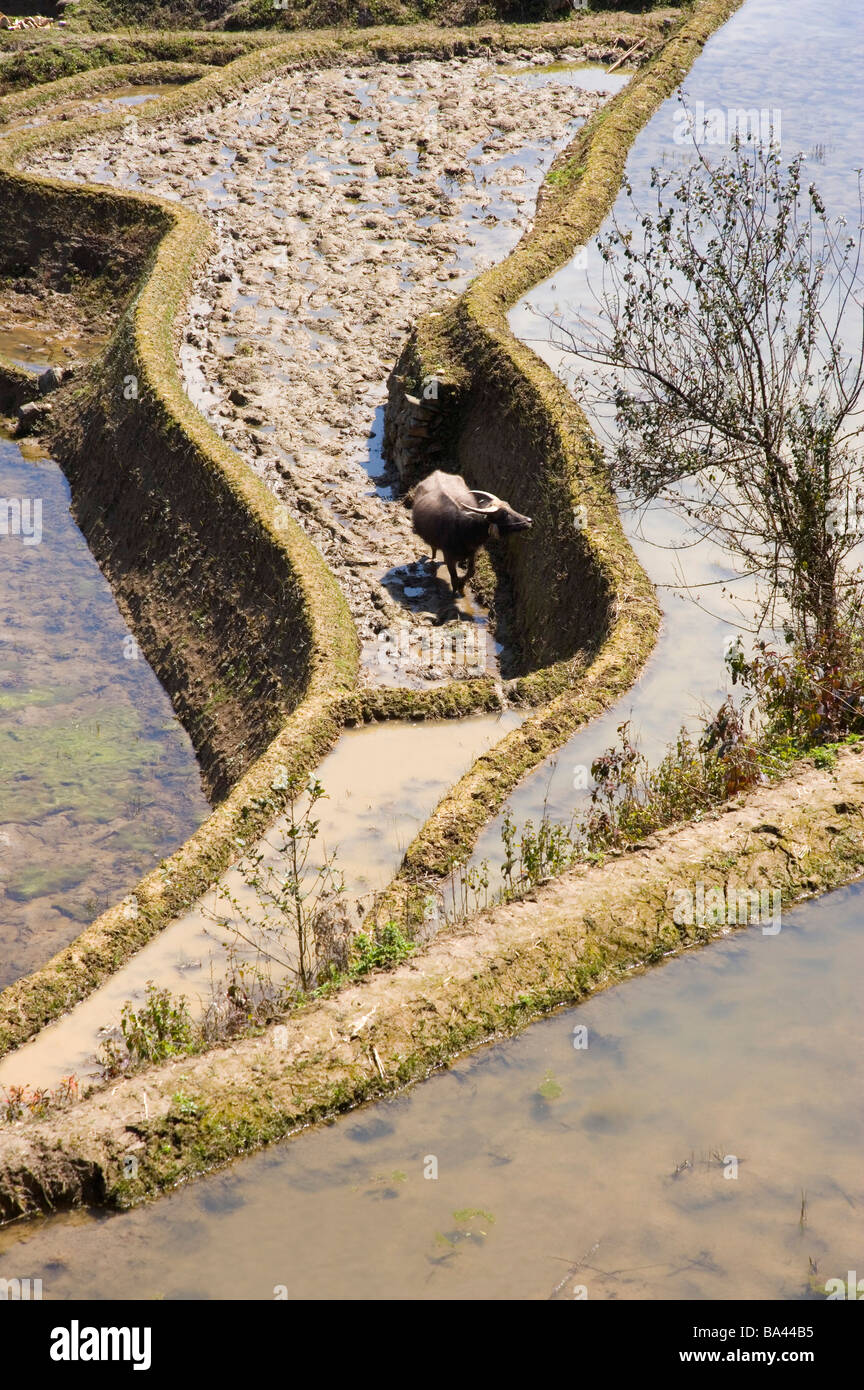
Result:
344,204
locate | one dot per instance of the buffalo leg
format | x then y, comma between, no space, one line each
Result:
456,583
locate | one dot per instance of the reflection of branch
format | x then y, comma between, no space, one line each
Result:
574,1269
720,378
256,945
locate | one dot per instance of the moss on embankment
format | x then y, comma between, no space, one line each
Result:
35,57
319,14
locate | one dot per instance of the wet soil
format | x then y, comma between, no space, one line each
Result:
345,203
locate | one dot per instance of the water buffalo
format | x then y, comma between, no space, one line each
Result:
447,515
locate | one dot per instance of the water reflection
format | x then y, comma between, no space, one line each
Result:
703,1144
98,781
766,56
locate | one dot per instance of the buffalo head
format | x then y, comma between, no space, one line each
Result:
500,515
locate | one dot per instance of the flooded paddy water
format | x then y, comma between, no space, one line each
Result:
381,782
704,1141
27,341
131,96
98,780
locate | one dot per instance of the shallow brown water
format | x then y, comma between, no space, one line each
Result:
382,782
549,1157
34,348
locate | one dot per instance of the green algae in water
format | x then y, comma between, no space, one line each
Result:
89,769
549,1088
98,781
41,880
465,1215
12,700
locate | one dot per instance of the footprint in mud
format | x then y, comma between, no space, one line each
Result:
419,588
440,637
